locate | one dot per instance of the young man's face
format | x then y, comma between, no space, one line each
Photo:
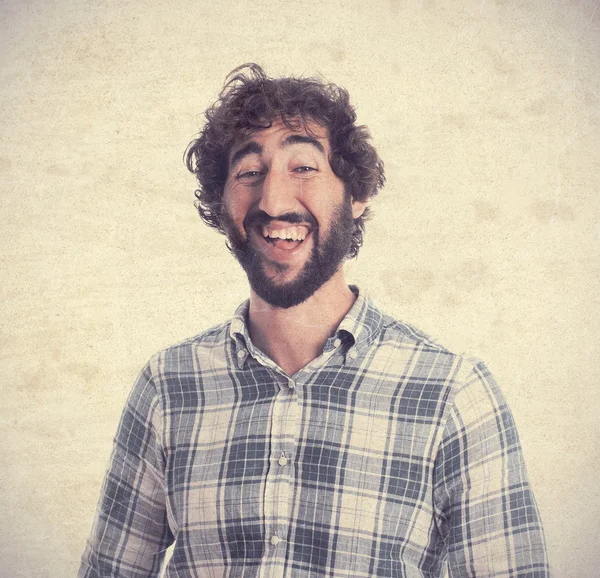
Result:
280,184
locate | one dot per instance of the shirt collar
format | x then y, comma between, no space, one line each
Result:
363,322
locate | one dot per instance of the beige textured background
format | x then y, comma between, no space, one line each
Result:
487,116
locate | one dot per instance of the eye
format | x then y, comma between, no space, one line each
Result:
304,169
249,175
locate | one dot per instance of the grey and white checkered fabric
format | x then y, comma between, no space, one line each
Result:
387,455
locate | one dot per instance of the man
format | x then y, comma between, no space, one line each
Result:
311,434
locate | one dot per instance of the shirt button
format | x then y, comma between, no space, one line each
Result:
283,461
291,384
275,540
337,342
241,353
353,354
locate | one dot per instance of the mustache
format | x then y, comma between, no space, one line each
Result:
260,218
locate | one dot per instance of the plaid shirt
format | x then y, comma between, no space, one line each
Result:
387,455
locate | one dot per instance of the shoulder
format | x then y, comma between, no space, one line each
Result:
421,346
433,362
186,356
462,387
399,330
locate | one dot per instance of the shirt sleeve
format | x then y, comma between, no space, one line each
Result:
131,532
485,508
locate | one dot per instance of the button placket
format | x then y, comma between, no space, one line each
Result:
276,505
286,463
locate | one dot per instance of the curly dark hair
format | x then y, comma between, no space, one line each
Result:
251,101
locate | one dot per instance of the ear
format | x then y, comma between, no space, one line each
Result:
358,208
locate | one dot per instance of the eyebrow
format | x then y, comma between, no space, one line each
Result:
253,148
303,139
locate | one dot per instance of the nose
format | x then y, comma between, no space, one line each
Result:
277,194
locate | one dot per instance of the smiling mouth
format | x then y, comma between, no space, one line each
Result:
282,243
285,238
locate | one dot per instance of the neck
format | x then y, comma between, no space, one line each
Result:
295,336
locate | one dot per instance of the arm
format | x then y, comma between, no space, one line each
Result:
485,507
131,532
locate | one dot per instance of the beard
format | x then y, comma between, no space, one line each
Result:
327,254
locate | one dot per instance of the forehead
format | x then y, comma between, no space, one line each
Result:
278,134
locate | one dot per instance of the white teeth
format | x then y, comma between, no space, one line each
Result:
294,233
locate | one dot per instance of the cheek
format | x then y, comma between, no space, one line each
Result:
329,198
231,200
237,208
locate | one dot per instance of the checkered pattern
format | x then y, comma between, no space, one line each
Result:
386,456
